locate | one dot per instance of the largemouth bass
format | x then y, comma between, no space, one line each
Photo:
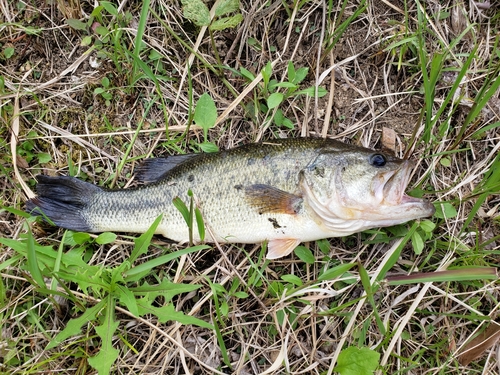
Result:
285,192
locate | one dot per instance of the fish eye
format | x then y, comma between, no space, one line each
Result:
377,160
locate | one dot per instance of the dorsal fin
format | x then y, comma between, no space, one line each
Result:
154,169
268,199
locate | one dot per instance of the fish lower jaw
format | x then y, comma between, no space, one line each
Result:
407,199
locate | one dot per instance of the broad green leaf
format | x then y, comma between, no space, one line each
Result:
154,55
324,246
74,325
445,162
141,244
227,22
86,41
76,24
127,298
115,274
227,6
304,254
310,91
274,100
241,294
196,11
139,37
287,85
110,8
77,238
300,75
427,226
107,355
278,117
9,52
105,82
357,361
88,277
417,243
74,257
106,237
205,112
43,157
266,73
224,308
288,123
101,30
295,280
445,211
208,147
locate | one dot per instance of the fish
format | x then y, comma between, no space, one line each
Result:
283,192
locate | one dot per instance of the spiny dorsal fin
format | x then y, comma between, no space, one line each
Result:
281,247
268,199
154,169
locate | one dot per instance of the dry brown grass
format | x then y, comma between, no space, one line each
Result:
48,106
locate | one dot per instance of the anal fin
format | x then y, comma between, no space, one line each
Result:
281,247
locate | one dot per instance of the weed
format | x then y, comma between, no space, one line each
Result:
108,287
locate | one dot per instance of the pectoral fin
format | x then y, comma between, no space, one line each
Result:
281,248
268,199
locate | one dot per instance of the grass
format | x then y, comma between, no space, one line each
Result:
90,92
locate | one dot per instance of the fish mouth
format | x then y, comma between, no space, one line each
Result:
390,186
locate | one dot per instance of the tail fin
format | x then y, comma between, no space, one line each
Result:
62,200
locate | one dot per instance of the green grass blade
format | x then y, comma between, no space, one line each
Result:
365,280
397,253
216,321
335,272
483,96
33,260
462,274
140,33
141,244
138,271
488,186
